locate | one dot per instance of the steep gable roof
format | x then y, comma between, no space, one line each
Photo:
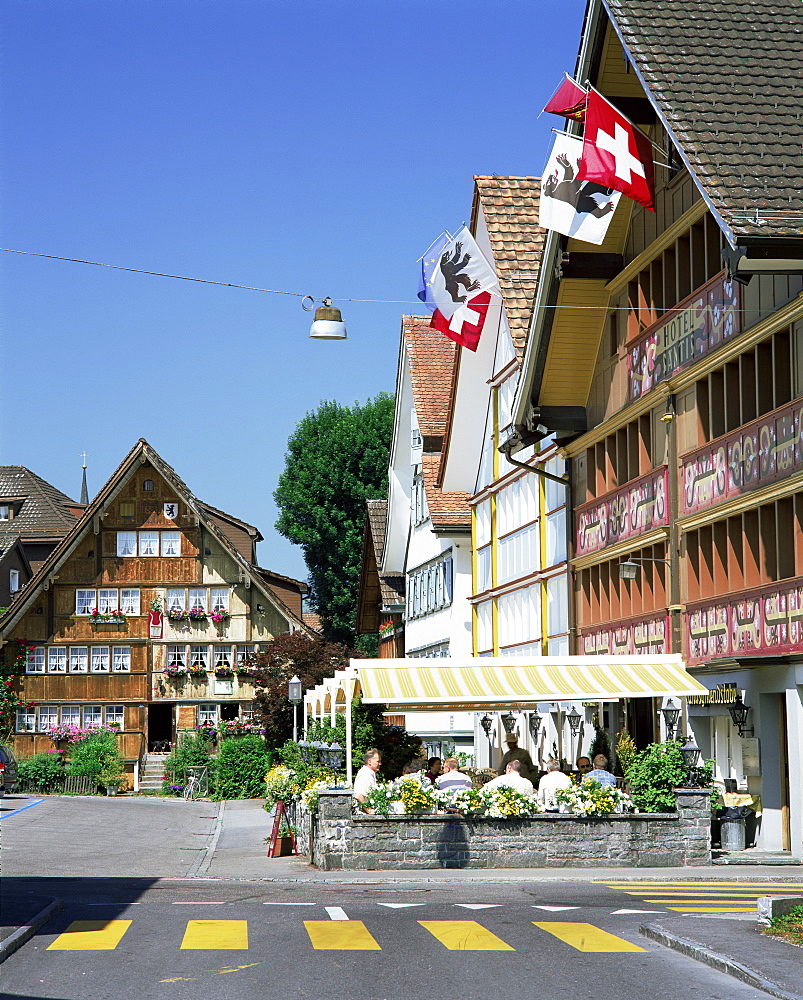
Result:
431,357
45,512
510,209
726,77
377,589
446,509
142,452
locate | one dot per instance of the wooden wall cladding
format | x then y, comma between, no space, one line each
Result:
86,688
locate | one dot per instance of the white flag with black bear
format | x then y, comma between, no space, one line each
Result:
580,209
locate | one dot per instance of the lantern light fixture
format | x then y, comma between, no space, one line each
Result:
509,722
671,714
486,722
328,323
535,725
574,719
738,712
691,755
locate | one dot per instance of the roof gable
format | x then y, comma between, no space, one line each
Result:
45,512
431,358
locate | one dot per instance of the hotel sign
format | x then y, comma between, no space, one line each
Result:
628,513
757,454
764,621
694,327
632,638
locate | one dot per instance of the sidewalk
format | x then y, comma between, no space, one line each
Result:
21,916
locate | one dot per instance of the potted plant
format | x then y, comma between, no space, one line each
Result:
111,776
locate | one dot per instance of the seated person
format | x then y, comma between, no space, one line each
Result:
551,782
452,778
365,778
600,772
512,778
433,770
584,765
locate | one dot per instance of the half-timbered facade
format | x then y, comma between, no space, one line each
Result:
144,616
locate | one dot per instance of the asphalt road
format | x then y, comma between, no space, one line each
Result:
127,930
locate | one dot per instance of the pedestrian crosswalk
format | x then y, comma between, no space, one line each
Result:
340,933
704,897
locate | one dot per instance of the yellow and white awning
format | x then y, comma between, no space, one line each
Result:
436,685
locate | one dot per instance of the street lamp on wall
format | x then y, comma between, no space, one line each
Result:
509,722
629,568
671,714
738,712
691,754
486,722
535,725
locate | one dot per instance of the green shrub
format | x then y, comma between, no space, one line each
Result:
192,750
44,770
96,755
654,772
241,767
626,751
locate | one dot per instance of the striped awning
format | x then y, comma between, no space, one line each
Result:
435,685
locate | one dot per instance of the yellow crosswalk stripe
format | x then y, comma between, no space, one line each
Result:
464,935
586,937
214,935
680,891
340,935
703,902
91,935
713,909
703,885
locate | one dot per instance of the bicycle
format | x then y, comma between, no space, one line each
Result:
193,790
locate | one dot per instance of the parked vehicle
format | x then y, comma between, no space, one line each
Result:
8,770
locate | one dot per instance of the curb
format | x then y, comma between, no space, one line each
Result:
201,866
715,961
27,931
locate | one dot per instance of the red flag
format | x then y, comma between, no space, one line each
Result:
616,154
569,100
465,325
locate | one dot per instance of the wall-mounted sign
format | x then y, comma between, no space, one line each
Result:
646,636
631,511
751,757
155,620
694,327
764,621
171,511
759,453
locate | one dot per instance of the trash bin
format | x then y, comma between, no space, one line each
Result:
732,826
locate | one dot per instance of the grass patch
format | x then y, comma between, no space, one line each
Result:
788,928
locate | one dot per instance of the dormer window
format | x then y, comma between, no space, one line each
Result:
5,512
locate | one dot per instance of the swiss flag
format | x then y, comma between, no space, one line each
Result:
615,154
465,324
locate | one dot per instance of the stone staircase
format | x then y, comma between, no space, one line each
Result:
152,772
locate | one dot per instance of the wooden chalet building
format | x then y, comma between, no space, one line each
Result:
150,582
668,362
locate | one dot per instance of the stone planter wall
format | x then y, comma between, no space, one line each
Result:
340,840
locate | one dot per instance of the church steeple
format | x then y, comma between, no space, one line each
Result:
84,490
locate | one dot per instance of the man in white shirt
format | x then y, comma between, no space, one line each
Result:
512,778
452,778
365,778
553,780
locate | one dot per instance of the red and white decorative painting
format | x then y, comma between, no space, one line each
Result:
630,512
646,636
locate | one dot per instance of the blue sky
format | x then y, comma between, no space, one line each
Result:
313,146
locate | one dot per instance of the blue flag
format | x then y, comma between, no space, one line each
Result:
429,264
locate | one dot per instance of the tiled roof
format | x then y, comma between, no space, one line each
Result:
45,511
431,357
312,620
727,75
510,207
391,587
446,510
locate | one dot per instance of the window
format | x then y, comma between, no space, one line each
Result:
13,580
100,659
129,602
176,600
107,601
121,659
48,716
418,506
244,652
147,486
171,543
57,659
177,656
70,715
149,543
220,599
78,659
126,544
430,588
114,715
199,656
4,512
197,600
207,715
222,656
36,661
93,715
26,720
84,601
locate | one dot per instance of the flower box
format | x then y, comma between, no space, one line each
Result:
176,673
220,617
224,673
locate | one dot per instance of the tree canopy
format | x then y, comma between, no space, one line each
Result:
337,458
